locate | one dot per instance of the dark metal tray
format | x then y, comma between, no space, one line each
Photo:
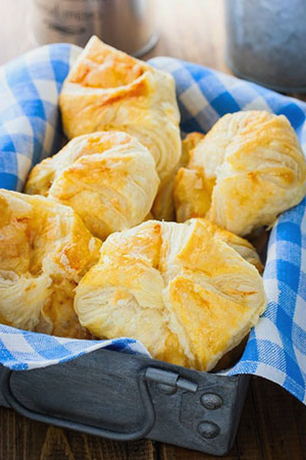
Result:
124,397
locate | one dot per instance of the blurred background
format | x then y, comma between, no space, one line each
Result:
260,40
187,29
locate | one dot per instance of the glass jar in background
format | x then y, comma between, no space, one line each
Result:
125,24
266,42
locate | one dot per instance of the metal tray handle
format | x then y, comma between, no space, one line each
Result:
142,432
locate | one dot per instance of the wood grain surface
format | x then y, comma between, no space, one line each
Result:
273,423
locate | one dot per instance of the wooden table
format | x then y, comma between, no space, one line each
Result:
273,424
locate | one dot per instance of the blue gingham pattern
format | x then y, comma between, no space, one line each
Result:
29,131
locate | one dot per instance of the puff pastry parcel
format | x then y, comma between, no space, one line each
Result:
108,178
184,290
45,249
108,90
248,169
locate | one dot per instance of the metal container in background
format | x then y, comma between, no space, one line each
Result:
125,24
266,42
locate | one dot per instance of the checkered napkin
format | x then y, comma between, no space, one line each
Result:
29,131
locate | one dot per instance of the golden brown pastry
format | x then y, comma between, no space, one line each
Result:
181,289
188,144
45,249
108,178
163,208
248,169
241,245
108,90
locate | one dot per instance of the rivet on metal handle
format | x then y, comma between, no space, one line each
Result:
208,430
211,401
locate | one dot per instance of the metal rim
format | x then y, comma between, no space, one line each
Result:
151,43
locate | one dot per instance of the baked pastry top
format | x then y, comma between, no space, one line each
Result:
246,171
108,90
108,178
184,290
45,249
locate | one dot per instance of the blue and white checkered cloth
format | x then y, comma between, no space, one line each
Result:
29,131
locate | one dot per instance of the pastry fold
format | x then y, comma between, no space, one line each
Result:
184,290
45,249
246,171
108,178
